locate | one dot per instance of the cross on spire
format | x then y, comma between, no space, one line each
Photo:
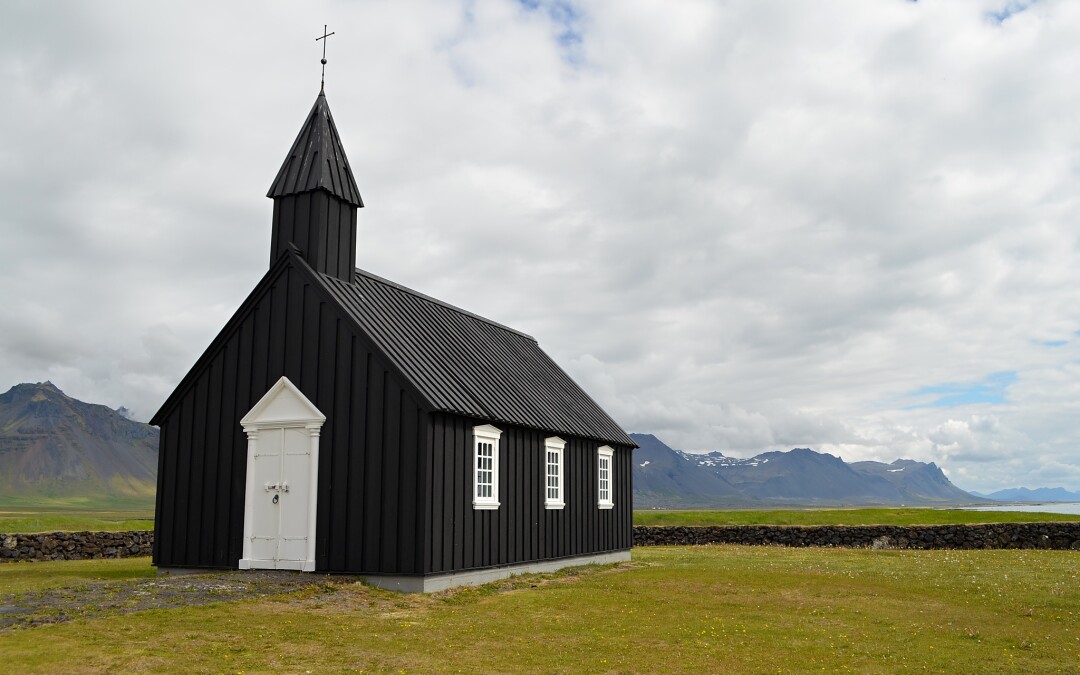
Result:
322,81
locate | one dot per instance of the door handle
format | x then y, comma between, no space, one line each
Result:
276,499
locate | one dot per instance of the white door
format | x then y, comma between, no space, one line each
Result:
265,512
282,468
282,473
295,476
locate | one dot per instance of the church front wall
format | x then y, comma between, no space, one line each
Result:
367,513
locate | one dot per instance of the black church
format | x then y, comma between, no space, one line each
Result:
343,423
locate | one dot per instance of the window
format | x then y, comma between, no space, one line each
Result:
486,467
553,472
605,492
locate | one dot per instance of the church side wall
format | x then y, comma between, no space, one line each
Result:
369,475
521,529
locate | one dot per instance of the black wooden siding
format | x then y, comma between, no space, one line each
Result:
369,481
521,529
322,227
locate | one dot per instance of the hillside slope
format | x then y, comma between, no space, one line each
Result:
52,445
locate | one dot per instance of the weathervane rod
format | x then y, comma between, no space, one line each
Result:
322,81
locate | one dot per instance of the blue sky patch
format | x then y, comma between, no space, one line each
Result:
1011,8
567,20
1054,343
991,389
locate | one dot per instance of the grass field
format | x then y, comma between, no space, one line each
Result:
693,609
138,515
14,520
37,514
18,578
869,516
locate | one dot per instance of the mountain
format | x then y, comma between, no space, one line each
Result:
1037,495
52,445
668,478
664,479
916,481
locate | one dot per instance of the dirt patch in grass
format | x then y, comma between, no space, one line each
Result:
313,592
103,598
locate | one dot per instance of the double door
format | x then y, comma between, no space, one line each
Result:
281,500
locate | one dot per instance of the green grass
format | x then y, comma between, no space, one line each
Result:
123,514
118,515
72,514
691,609
14,519
22,577
77,504
869,516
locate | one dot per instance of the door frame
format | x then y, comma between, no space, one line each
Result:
282,406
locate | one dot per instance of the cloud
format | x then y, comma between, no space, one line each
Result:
742,227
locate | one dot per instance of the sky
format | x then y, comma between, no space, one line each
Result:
741,226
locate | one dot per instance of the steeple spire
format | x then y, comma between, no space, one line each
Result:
316,198
317,160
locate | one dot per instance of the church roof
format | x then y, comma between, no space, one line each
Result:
317,160
468,365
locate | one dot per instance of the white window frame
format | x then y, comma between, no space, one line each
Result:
605,453
485,434
554,446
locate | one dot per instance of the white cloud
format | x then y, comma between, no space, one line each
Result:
742,226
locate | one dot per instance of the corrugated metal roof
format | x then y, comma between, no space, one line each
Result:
317,160
465,364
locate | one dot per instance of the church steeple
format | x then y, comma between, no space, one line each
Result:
315,198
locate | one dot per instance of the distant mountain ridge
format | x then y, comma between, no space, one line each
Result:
52,445
1042,494
668,478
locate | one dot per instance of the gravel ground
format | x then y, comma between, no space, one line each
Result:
94,599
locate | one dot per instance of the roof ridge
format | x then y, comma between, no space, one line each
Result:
447,305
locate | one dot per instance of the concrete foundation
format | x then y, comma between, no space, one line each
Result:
431,584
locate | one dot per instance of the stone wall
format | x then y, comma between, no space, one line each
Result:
1065,535
87,545
75,545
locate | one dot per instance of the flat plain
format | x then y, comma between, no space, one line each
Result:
859,516
684,609
109,517
74,514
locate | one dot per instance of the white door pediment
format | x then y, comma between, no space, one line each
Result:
284,403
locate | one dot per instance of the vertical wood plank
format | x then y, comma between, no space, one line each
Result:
391,479
373,490
438,494
196,524
226,444
358,450
183,479
244,403
212,450
462,490
339,449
